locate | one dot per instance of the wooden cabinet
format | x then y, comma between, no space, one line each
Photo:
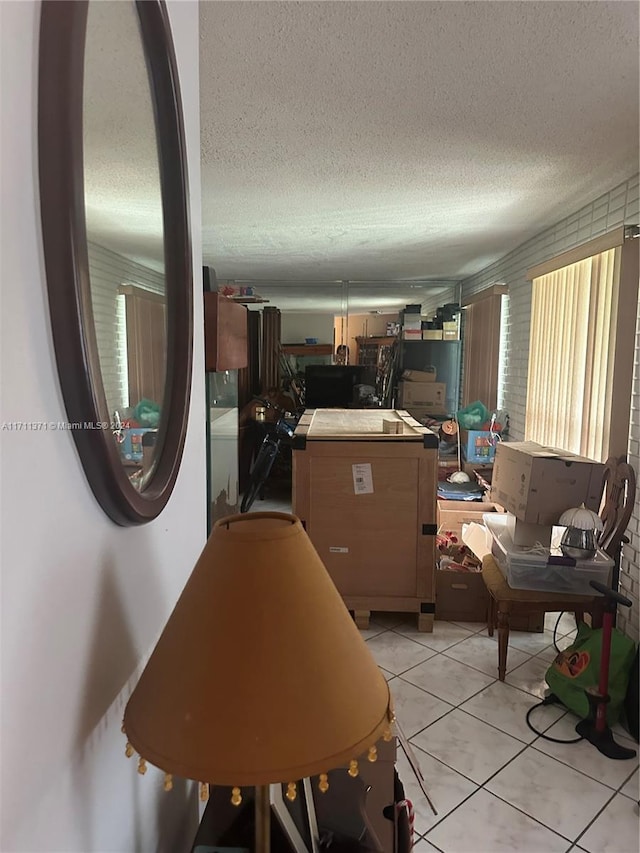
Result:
225,333
368,502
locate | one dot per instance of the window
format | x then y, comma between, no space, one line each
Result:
581,348
481,362
146,323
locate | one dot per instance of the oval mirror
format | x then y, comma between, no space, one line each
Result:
114,209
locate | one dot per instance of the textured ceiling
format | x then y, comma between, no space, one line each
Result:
406,140
123,201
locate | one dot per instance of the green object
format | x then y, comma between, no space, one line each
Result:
147,413
578,667
473,416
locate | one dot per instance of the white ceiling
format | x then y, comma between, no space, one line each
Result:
406,140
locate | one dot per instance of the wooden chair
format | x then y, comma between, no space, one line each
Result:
619,488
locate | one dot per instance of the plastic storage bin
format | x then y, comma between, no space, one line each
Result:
525,569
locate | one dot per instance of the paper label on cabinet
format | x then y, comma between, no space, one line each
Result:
362,479
337,549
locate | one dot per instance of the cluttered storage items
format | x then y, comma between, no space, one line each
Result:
536,536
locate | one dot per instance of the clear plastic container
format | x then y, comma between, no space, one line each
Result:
544,570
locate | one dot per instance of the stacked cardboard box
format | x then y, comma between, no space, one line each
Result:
412,327
419,375
451,329
536,484
427,396
453,514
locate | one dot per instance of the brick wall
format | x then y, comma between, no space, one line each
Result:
617,207
629,621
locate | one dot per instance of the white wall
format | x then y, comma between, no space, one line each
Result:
83,601
621,205
295,327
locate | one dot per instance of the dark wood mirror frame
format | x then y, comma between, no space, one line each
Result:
60,146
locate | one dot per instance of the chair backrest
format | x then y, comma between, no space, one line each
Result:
619,492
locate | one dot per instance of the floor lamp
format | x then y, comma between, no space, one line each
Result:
260,675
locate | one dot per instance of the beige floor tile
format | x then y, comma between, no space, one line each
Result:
482,653
396,653
615,830
585,757
529,676
486,824
415,708
468,745
632,787
444,635
447,679
506,708
446,788
556,795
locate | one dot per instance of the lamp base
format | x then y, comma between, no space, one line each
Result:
263,819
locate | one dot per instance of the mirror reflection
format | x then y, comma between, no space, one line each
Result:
123,203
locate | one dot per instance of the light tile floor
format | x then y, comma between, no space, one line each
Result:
496,785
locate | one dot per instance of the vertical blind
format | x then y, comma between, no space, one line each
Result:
482,349
571,355
146,319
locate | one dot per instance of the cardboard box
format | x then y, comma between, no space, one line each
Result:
453,514
411,335
477,445
431,395
450,335
527,535
413,322
461,596
432,334
419,375
537,484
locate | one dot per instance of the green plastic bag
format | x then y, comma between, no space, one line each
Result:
473,415
578,667
147,413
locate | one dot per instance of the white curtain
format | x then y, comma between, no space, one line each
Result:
573,328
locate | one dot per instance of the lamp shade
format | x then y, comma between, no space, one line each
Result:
260,674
